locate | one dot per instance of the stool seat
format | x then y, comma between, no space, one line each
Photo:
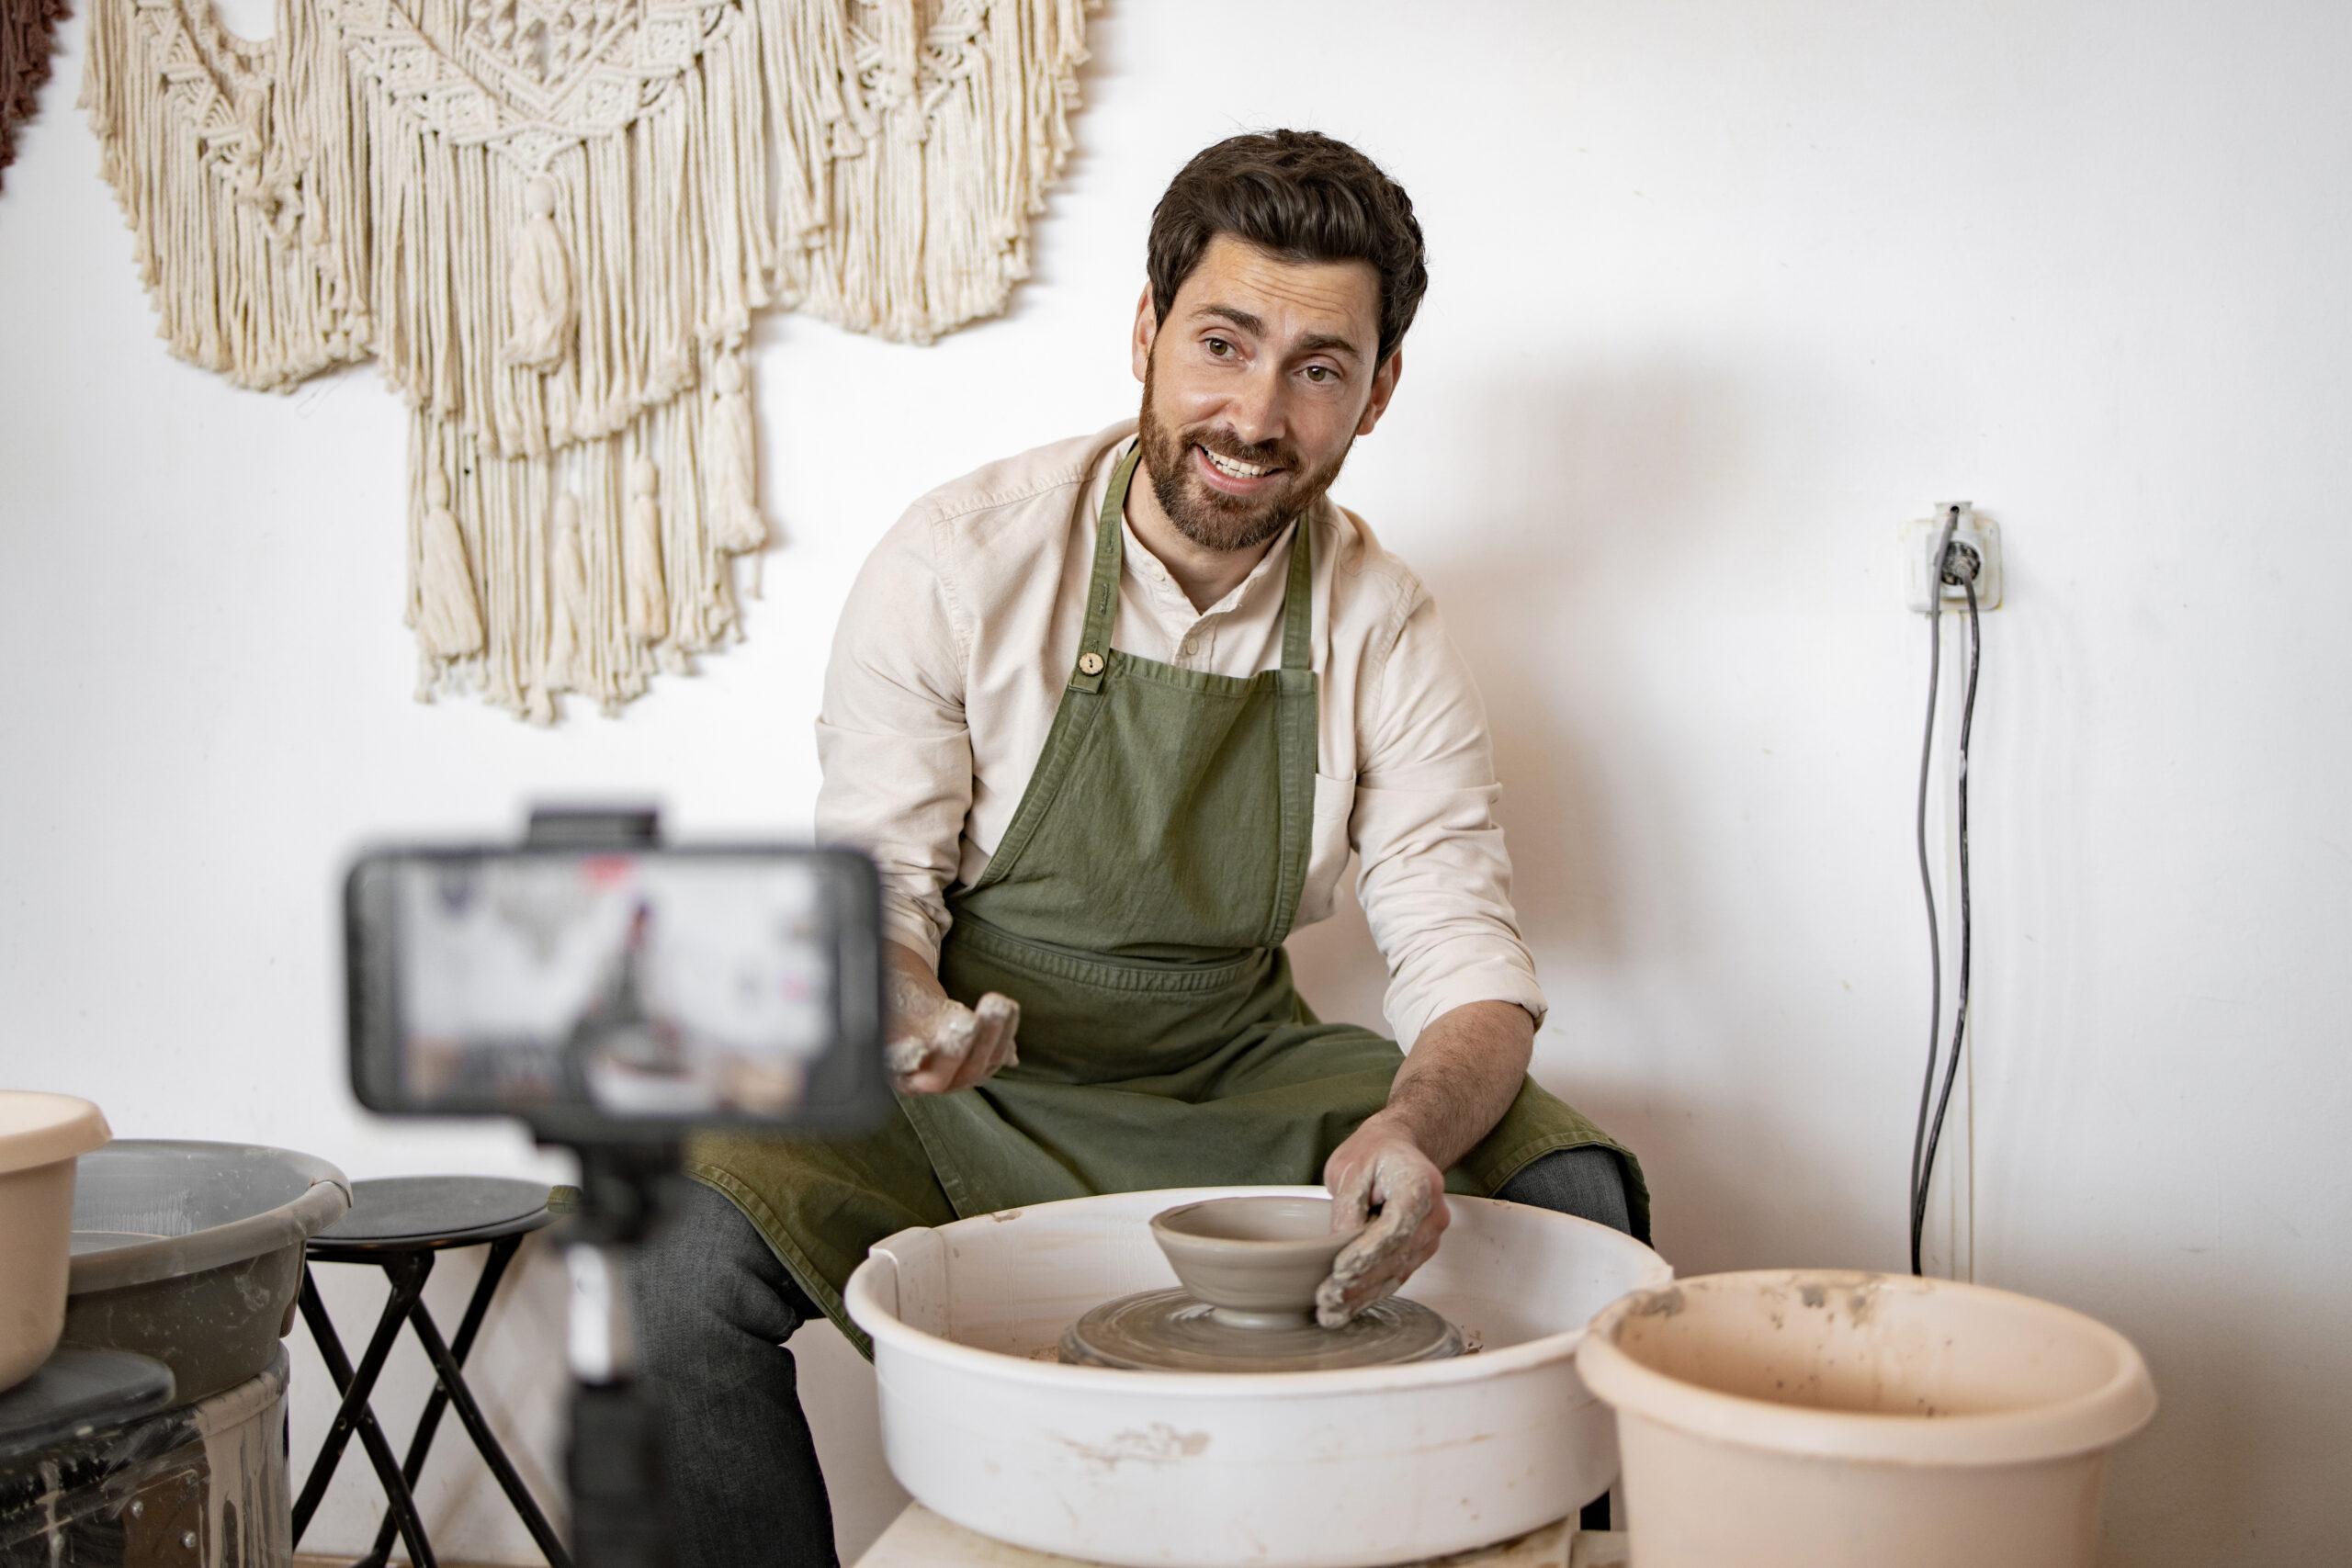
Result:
419,1213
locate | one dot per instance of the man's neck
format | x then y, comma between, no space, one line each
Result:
1205,575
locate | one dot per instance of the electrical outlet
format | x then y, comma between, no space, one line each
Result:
1972,530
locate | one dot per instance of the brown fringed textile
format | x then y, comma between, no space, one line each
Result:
25,27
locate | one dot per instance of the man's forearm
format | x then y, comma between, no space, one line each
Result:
1448,1094
913,981
1460,1077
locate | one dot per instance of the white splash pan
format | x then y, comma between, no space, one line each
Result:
1293,1470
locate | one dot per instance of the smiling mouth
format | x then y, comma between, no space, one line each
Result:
1233,468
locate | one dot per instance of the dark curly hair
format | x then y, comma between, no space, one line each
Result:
1307,197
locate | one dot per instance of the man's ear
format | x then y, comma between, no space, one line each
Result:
1384,387
1147,328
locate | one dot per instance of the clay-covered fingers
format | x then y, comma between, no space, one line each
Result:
1350,1181
930,1048
1411,1221
1374,1264
903,1056
953,1046
994,1024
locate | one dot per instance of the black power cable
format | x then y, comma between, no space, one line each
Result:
1958,565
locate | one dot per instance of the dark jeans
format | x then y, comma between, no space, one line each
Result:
714,1307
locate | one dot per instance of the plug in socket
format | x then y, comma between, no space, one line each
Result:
1972,532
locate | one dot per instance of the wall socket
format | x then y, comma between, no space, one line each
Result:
1970,530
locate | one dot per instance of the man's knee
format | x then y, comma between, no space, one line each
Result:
1588,1182
706,1273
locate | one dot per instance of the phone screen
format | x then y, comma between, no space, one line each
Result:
681,987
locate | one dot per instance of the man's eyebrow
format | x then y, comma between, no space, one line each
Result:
1234,313
1314,342
1325,342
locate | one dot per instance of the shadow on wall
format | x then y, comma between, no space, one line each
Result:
1601,498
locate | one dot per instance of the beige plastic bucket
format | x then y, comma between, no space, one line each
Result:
40,1134
1780,1418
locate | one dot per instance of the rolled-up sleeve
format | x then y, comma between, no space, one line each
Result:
892,737
1435,883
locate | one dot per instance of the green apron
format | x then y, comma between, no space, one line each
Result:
1135,910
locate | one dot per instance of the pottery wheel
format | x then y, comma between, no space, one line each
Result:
1173,1331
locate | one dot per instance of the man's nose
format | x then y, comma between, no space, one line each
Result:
1256,410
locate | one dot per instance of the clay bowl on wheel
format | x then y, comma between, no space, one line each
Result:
1256,1260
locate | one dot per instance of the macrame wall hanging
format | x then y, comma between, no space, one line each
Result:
551,221
25,27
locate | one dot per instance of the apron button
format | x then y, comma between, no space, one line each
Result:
1089,664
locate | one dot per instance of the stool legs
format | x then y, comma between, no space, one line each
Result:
493,1269
452,1382
407,1275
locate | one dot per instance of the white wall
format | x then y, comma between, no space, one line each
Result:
1723,294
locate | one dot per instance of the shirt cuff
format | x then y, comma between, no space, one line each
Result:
1412,1010
907,922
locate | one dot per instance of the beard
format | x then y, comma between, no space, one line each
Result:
1208,517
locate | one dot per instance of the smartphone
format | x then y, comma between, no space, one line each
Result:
618,995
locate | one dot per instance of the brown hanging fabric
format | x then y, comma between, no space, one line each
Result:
24,29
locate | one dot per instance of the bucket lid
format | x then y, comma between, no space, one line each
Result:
39,1129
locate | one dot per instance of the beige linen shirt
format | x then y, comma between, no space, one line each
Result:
960,634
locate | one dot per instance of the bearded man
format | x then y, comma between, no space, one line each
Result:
1110,716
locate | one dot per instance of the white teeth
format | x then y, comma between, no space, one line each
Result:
1226,465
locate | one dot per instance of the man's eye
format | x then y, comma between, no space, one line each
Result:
1219,347
1318,374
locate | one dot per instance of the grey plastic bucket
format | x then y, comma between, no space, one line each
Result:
192,1253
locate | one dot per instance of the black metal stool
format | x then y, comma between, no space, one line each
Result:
398,1225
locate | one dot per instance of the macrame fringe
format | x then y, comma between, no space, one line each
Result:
640,262
562,301
244,184
581,588
919,152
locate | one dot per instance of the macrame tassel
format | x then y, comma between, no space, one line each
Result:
731,465
568,601
538,286
450,623
648,594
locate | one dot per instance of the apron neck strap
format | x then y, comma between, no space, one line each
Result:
1298,597
1102,588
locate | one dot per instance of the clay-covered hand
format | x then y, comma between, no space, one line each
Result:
1380,1170
938,1046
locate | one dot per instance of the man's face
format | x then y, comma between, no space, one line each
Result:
1255,386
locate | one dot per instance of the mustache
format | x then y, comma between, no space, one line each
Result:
1274,454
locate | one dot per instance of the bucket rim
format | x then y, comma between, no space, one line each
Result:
871,1298
325,1199
40,1127
2094,1419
